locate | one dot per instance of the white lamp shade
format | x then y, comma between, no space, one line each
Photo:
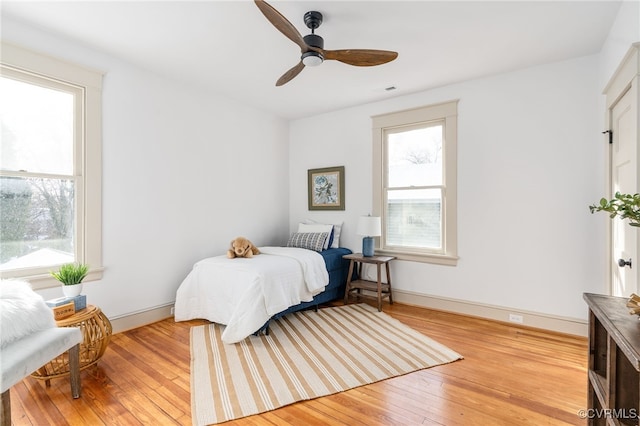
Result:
369,226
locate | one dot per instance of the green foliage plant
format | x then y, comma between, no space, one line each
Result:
626,206
71,273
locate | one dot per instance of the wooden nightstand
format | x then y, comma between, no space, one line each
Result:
381,290
96,330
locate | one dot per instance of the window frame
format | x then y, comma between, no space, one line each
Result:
35,68
447,113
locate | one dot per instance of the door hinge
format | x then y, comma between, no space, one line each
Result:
610,135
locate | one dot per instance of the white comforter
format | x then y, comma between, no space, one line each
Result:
244,293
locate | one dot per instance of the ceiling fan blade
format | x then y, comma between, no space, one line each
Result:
282,24
361,57
290,75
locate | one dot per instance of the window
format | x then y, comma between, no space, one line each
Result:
50,168
414,170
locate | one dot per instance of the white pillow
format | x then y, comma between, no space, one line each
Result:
336,235
336,232
308,228
22,311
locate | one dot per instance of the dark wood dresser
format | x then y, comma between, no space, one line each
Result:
614,362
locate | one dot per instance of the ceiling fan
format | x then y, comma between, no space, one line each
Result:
312,45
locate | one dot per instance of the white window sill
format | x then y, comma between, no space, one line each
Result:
42,281
437,259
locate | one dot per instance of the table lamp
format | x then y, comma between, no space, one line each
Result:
370,227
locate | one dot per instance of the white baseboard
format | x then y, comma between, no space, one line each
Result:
138,319
529,319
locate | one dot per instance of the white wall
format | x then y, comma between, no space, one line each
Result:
529,155
178,184
624,32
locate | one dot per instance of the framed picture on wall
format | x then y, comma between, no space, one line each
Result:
326,188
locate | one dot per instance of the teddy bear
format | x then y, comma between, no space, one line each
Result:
241,247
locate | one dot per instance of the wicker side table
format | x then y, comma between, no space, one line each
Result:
96,331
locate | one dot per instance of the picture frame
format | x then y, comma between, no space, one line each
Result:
326,188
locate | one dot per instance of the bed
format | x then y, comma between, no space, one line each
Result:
246,293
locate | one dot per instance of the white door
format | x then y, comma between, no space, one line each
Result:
624,175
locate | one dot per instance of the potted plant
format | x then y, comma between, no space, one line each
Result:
626,206
71,276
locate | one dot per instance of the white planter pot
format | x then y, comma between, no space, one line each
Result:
72,290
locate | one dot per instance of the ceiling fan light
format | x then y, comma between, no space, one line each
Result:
312,59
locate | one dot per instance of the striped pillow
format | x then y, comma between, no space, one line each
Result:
308,240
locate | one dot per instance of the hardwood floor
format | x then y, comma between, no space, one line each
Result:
509,376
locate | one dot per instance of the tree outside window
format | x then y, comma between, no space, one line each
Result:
414,183
50,166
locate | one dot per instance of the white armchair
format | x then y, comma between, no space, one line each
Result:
30,339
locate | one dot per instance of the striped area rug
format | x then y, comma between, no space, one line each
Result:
306,355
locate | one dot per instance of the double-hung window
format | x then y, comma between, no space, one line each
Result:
50,166
414,170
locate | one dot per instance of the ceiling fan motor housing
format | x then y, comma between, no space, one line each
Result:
313,58
314,40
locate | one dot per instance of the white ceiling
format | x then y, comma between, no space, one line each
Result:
229,48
